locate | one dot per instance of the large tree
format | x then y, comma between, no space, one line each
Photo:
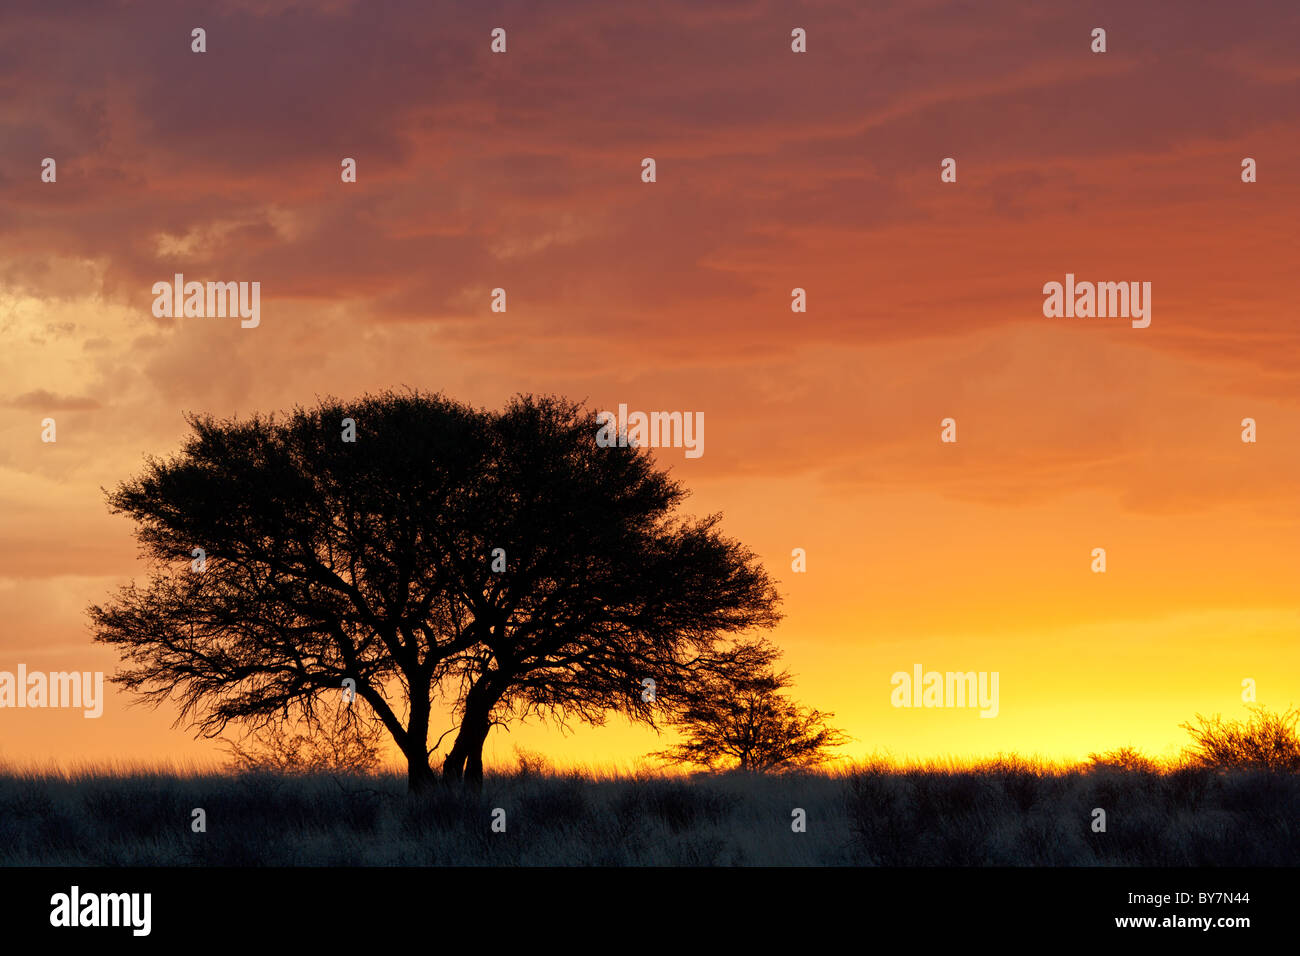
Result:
506,557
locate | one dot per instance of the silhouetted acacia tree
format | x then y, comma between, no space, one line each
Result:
377,561
746,723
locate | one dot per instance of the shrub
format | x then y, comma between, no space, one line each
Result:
1264,741
331,739
1123,758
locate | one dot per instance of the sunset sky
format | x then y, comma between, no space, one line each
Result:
775,170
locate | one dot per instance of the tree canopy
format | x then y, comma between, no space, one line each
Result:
503,559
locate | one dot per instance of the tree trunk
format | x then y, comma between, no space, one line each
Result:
420,777
474,755
465,759
453,767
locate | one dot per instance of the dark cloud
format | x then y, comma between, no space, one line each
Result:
43,401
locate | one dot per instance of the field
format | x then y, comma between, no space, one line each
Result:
1004,813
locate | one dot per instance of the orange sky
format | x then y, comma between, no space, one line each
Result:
775,170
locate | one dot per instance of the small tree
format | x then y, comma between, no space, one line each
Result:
331,739
1264,741
746,723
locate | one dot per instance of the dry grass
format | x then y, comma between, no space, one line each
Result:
1006,811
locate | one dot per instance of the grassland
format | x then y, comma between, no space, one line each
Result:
1001,813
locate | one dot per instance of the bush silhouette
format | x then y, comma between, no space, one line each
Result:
1264,741
333,738
1123,758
